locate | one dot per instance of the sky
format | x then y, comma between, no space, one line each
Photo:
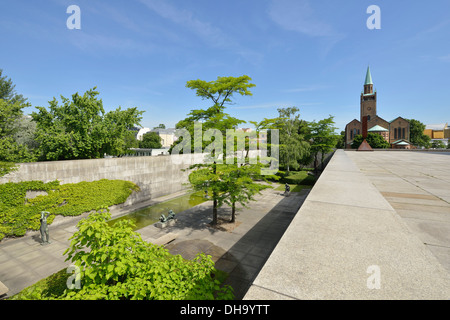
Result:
309,54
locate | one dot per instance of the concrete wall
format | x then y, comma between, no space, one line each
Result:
156,176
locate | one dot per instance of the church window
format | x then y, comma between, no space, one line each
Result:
395,133
403,133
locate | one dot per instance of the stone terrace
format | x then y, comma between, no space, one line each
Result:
385,211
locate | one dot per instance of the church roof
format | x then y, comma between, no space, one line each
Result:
401,142
377,128
368,77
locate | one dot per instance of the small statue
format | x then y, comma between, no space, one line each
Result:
170,216
287,189
45,237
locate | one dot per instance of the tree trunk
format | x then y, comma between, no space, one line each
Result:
214,221
233,212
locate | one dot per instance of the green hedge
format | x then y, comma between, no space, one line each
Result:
300,177
296,177
18,214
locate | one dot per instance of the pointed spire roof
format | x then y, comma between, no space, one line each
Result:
368,77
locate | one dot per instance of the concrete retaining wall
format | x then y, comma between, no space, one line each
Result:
156,176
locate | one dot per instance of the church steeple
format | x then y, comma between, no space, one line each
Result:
368,84
368,98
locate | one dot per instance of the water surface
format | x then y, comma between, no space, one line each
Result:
151,214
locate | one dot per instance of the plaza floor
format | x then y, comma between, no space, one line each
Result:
241,251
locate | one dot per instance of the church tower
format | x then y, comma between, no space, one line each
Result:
368,99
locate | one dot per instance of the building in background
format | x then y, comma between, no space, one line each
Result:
438,132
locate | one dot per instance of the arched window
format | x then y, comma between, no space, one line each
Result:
403,133
395,133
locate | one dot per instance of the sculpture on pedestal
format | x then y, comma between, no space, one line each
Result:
45,237
170,216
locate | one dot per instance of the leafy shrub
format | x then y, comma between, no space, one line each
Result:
116,263
18,214
7,167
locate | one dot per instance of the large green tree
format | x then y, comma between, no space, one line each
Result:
214,120
293,146
81,129
150,140
322,138
417,136
11,114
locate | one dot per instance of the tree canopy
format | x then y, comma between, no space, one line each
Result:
417,136
322,138
11,114
150,140
215,123
81,129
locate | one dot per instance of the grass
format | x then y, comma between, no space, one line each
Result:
294,187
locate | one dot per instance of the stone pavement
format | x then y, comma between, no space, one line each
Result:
417,186
240,252
348,242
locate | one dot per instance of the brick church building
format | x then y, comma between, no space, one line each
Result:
396,132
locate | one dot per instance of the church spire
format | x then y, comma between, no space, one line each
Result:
368,84
368,77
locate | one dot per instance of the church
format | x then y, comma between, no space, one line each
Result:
396,131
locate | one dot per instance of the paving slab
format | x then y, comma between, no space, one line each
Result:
346,235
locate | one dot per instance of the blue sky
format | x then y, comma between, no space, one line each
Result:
303,53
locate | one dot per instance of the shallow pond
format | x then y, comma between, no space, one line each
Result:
151,214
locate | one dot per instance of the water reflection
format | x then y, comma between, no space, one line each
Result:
150,215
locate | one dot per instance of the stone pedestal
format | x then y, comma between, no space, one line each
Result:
169,223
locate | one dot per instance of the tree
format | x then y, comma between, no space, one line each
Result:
417,136
11,105
9,94
340,144
375,140
437,144
150,140
160,126
80,128
322,138
114,263
239,186
293,146
219,92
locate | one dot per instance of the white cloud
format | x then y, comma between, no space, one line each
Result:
306,89
208,33
204,30
298,16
